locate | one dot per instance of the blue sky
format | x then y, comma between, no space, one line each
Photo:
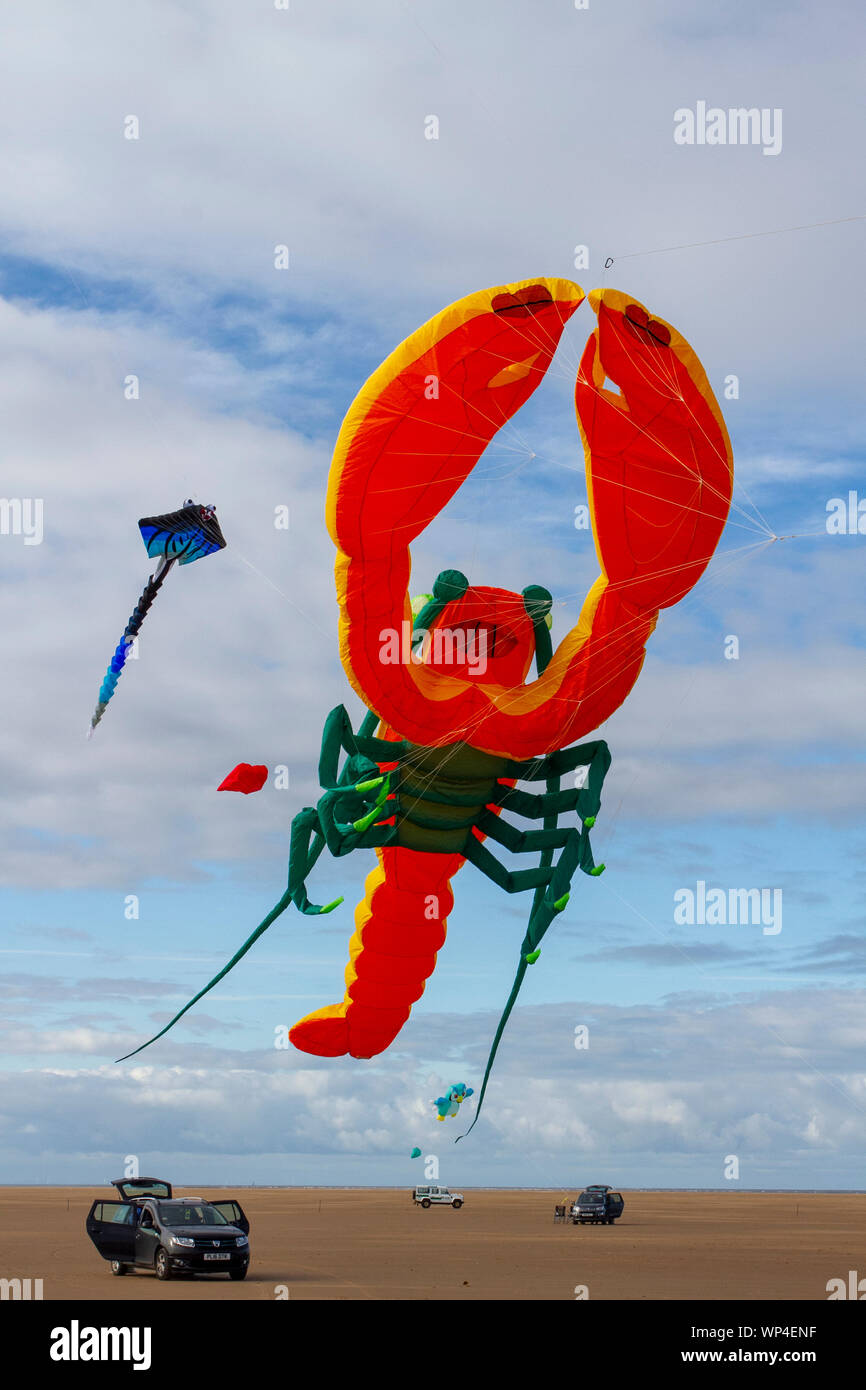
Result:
155,257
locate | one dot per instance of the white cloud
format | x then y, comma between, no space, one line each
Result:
770,1079
307,127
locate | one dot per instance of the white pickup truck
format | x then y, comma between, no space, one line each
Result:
437,1196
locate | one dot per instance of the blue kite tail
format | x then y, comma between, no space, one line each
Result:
124,646
112,676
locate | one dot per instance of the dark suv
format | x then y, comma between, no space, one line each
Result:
151,1229
597,1205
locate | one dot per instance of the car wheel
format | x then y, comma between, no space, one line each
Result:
457,1205
118,1267
240,1273
426,1202
161,1265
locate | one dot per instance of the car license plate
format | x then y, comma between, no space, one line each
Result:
217,1257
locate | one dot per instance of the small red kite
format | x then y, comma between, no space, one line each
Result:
245,778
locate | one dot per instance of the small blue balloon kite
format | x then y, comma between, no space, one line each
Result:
452,1099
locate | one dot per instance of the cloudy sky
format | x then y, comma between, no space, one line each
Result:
154,257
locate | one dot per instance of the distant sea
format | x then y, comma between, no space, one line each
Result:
470,1187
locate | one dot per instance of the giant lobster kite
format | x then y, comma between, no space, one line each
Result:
453,723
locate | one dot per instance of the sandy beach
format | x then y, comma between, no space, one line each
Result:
321,1243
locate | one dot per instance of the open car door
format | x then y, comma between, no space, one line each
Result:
110,1227
233,1213
615,1204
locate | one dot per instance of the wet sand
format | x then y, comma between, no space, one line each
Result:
321,1243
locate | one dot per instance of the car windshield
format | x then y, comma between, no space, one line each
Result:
591,1199
190,1214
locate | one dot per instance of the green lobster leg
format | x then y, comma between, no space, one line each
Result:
305,827
551,895
345,792
512,880
571,839
497,1038
536,806
348,816
547,905
272,916
558,763
306,844
311,831
594,756
520,841
364,752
